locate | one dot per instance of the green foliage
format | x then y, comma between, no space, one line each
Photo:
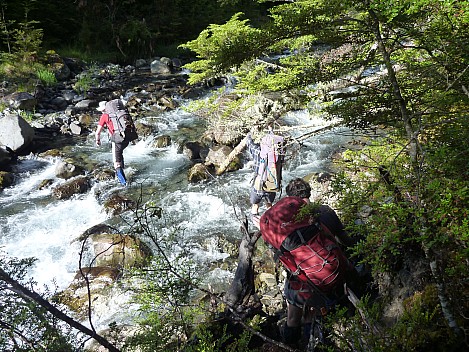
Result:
85,80
27,41
46,76
220,47
24,324
215,337
414,330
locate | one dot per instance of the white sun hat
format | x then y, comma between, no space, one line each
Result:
102,106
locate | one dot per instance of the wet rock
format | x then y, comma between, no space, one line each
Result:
117,204
145,129
74,186
218,154
162,141
118,251
104,175
5,157
191,150
100,279
197,173
6,179
45,183
167,103
67,170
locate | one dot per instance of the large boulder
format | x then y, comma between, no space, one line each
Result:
198,173
15,132
118,251
218,154
6,179
161,66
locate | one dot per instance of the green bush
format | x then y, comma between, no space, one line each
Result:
46,76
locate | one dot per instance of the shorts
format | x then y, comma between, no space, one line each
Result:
256,196
300,294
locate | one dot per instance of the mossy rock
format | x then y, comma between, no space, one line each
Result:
6,179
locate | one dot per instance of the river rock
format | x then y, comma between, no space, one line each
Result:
21,101
162,141
117,204
100,280
118,251
197,173
191,150
15,132
160,67
218,154
6,179
74,186
67,170
5,158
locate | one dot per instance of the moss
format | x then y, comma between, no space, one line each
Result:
6,179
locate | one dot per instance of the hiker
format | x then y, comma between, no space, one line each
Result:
300,188
316,284
268,158
119,139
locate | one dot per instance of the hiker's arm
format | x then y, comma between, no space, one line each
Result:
329,217
252,147
97,134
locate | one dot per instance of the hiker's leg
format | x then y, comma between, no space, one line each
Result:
124,145
118,159
255,199
117,155
294,315
270,197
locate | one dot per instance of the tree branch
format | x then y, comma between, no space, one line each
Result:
35,297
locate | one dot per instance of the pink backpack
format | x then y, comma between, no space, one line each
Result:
269,174
305,246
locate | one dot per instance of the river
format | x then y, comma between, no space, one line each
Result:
35,224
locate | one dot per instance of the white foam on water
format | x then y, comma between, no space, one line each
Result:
49,233
32,173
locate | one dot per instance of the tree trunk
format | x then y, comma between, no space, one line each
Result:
242,287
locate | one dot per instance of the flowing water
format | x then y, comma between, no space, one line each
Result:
35,224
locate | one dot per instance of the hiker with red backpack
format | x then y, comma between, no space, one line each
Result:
268,158
305,238
121,129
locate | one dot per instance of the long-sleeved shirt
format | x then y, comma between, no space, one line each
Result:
254,150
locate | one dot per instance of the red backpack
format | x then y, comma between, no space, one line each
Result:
305,246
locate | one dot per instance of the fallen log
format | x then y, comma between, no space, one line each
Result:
238,149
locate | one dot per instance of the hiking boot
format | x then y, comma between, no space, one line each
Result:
291,335
121,176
